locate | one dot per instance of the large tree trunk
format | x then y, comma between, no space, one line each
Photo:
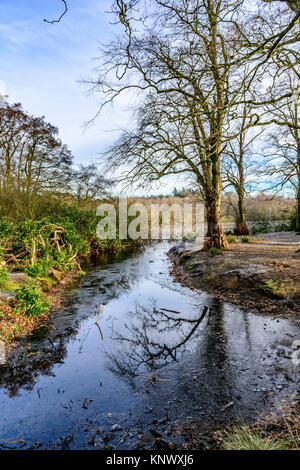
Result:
298,190
217,238
298,209
240,224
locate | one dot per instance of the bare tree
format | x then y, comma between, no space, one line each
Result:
88,184
293,4
282,117
32,157
236,167
188,58
183,58
283,154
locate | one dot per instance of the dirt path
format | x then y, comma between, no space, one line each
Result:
263,275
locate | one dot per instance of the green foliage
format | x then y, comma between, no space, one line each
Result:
261,227
16,330
246,239
215,251
269,286
232,239
38,269
58,212
3,276
54,238
6,227
190,236
31,300
3,269
278,289
293,224
42,245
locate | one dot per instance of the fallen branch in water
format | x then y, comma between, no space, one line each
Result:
96,322
99,313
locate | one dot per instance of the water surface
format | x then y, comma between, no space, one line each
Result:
169,357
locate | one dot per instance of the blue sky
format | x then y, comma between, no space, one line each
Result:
41,65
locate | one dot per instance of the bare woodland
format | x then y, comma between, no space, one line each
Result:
211,76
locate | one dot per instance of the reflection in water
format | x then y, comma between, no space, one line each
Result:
154,338
26,364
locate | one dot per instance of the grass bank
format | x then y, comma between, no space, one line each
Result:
274,432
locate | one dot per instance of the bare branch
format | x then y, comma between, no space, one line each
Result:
63,14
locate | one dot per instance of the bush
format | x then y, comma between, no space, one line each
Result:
3,276
292,225
6,227
190,236
41,245
278,289
245,239
38,269
261,227
215,251
231,239
31,300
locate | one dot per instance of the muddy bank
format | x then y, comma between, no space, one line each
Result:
263,275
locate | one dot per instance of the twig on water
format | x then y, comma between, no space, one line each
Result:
96,323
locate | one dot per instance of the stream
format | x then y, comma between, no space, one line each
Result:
161,361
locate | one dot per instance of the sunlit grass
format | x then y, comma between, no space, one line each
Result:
245,438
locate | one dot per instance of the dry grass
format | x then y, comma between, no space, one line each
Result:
246,438
274,432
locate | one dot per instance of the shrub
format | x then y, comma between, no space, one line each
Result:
278,289
31,300
38,269
190,236
6,227
261,227
292,225
245,239
231,239
3,276
215,251
42,244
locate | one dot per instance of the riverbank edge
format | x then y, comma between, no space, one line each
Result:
247,289
277,431
19,326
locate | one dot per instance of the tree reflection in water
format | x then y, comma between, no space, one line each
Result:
154,338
